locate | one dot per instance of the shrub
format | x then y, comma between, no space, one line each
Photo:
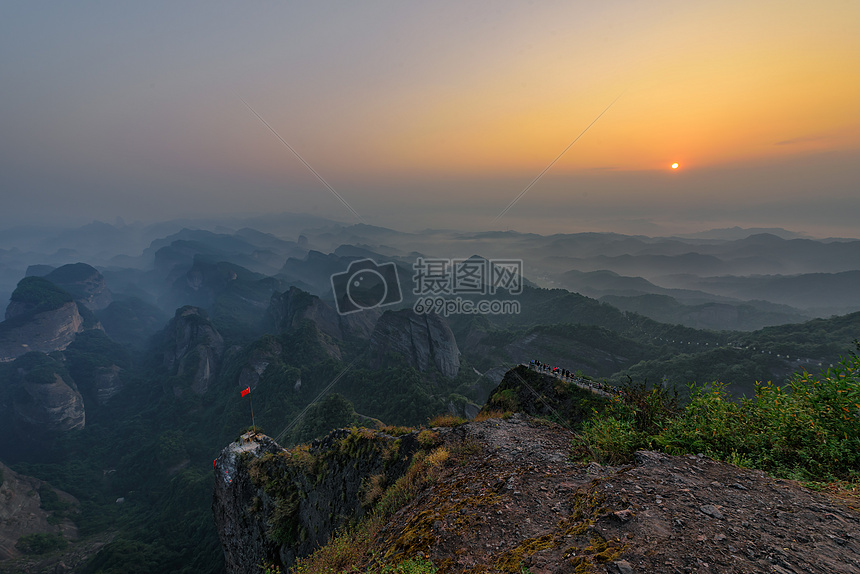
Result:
628,424
428,438
609,440
446,421
806,430
41,543
494,414
505,400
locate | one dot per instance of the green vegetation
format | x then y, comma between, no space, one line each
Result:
808,429
333,411
154,447
132,321
50,500
738,367
446,421
41,543
545,396
124,556
37,368
39,294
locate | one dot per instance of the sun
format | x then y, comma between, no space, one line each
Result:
675,165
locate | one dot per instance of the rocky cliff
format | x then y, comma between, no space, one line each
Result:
40,317
44,331
266,352
85,284
289,308
23,511
273,505
193,349
107,383
508,499
45,399
425,341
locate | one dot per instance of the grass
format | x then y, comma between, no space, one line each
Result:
492,414
446,421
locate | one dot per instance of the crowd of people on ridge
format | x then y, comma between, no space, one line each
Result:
566,375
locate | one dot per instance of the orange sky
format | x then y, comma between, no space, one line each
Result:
435,108
705,87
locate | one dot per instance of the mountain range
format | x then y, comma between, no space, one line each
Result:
125,348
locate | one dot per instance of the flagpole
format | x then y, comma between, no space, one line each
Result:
253,426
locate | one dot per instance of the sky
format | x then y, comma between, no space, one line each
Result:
415,115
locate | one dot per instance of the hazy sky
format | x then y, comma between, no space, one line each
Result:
436,114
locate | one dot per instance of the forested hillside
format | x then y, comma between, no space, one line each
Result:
138,382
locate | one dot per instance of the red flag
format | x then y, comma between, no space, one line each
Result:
246,391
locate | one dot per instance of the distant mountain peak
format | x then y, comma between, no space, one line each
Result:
735,233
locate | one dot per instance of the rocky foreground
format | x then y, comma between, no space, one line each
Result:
509,499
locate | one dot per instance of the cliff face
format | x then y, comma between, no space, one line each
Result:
44,400
107,383
272,505
193,349
425,341
289,308
21,513
46,331
260,359
509,499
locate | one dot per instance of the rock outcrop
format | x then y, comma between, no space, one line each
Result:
544,395
40,317
46,331
272,505
205,282
509,499
287,309
44,398
193,350
269,352
107,383
85,284
21,511
425,341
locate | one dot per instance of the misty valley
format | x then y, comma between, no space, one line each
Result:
131,356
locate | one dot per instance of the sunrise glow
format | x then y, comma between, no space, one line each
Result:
440,107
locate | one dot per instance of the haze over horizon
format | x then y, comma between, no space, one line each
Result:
436,115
